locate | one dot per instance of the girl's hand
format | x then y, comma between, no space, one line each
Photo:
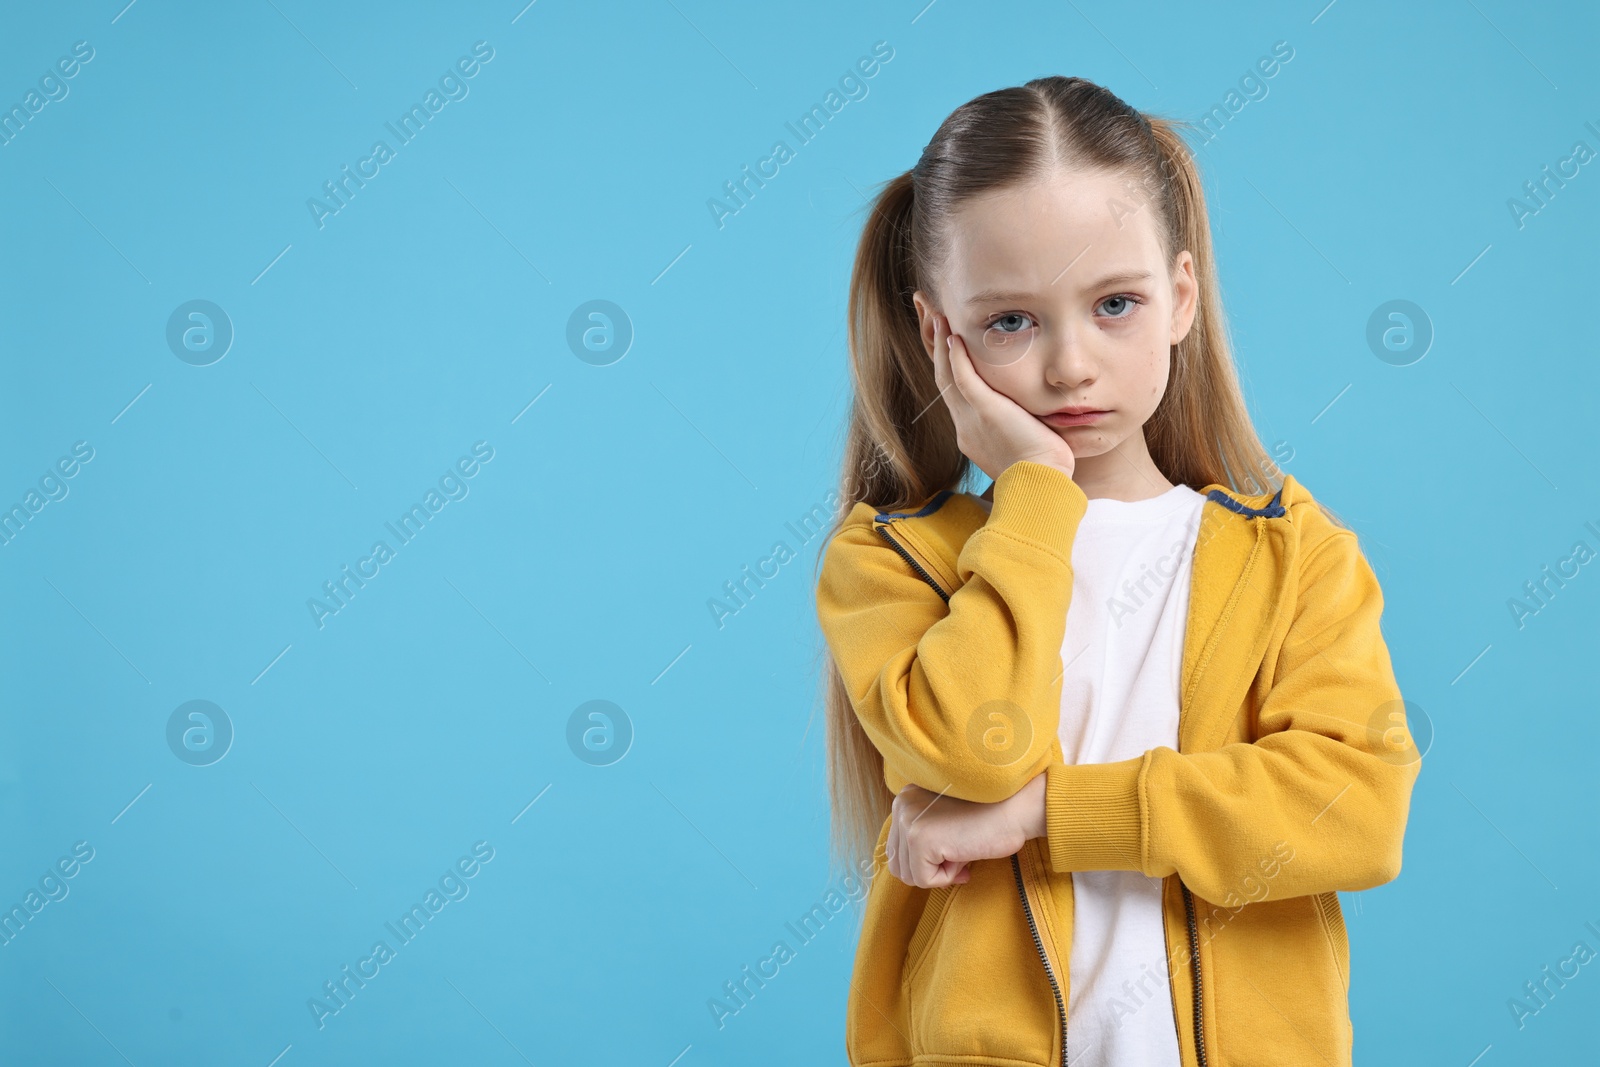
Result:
992,430
933,838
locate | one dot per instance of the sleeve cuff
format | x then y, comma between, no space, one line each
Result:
1040,503
1093,817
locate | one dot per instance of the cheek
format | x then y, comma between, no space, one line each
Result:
1009,380
1159,372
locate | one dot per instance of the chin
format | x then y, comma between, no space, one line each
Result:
1086,440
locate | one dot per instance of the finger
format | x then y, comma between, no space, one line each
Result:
956,872
928,871
941,368
962,372
923,864
957,389
946,360
980,401
941,353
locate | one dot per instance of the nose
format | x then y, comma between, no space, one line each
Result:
1065,360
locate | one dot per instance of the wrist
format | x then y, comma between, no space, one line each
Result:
1028,808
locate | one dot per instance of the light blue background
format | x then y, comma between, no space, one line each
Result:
427,314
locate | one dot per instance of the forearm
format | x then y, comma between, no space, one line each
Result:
959,691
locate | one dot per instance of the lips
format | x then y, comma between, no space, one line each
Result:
1073,417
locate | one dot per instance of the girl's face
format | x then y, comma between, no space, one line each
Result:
1064,299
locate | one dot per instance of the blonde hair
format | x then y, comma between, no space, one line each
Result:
901,448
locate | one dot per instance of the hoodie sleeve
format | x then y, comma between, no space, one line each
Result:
1330,771
962,698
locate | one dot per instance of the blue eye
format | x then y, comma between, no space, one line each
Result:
1011,317
1124,301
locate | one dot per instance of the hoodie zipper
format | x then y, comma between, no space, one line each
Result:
1194,969
1194,966
914,564
1044,957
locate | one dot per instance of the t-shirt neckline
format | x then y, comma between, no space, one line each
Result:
1108,509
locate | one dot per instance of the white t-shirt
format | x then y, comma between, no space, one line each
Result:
1123,654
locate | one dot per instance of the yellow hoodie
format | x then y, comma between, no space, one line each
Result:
1291,781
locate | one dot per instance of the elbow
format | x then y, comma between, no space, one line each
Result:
1390,856
1384,869
1384,841
1381,861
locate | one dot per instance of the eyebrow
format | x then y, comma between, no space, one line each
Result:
996,296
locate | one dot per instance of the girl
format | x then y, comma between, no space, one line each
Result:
1124,725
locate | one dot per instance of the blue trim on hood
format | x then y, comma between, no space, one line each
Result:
927,509
1273,509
